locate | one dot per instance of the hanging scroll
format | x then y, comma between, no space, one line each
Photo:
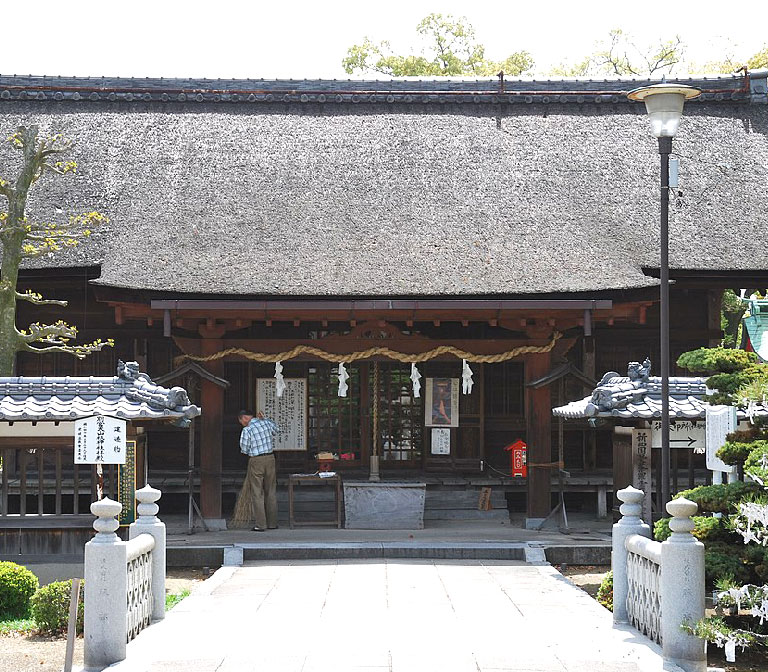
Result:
441,402
289,411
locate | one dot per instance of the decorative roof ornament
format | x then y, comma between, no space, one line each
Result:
130,395
638,396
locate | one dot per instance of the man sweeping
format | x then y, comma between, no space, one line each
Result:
257,502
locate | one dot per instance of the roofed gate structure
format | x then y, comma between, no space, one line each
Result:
514,221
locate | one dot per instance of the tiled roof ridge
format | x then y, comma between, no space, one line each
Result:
403,90
129,394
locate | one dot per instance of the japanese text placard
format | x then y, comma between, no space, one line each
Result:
100,440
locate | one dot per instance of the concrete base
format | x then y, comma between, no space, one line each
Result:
48,572
384,506
533,523
216,524
233,556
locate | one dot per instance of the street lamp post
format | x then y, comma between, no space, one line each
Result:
664,105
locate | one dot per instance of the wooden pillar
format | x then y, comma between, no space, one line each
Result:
714,308
622,458
211,430
538,416
589,369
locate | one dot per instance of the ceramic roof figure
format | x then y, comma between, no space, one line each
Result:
638,396
131,395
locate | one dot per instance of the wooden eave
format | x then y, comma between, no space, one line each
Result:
533,317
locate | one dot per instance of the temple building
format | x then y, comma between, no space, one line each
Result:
451,243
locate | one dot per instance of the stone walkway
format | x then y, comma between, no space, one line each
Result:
395,615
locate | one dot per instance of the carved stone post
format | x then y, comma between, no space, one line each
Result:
149,523
630,523
682,589
106,585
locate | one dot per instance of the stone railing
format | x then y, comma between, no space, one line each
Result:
658,587
124,580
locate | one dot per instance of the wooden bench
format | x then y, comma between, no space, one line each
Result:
314,480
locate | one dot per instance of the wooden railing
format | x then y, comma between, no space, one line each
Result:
37,481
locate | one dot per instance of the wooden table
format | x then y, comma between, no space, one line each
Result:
314,479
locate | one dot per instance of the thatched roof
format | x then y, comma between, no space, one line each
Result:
400,188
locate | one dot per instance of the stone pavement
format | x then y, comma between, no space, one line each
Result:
394,615
588,543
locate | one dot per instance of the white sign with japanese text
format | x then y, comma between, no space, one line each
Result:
683,435
441,441
100,439
721,421
289,411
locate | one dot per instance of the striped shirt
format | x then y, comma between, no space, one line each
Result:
256,437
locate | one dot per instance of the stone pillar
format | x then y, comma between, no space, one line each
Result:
106,585
682,589
538,411
630,523
211,430
149,523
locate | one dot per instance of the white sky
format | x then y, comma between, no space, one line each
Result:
294,38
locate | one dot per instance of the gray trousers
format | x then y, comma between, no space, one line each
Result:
257,504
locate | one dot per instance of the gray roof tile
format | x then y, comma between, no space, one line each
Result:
130,395
686,399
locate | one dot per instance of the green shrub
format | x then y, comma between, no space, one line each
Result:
721,559
734,452
721,498
50,607
605,591
706,529
754,463
17,585
714,360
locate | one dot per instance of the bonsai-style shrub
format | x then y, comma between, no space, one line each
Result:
17,586
50,607
720,498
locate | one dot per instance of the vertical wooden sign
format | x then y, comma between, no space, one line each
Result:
126,485
641,469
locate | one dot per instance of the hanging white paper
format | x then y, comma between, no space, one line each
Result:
343,378
466,378
279,380
416,378
730,651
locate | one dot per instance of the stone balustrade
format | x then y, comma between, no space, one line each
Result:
657,587
124,580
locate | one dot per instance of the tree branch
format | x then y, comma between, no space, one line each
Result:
38,300
79,351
